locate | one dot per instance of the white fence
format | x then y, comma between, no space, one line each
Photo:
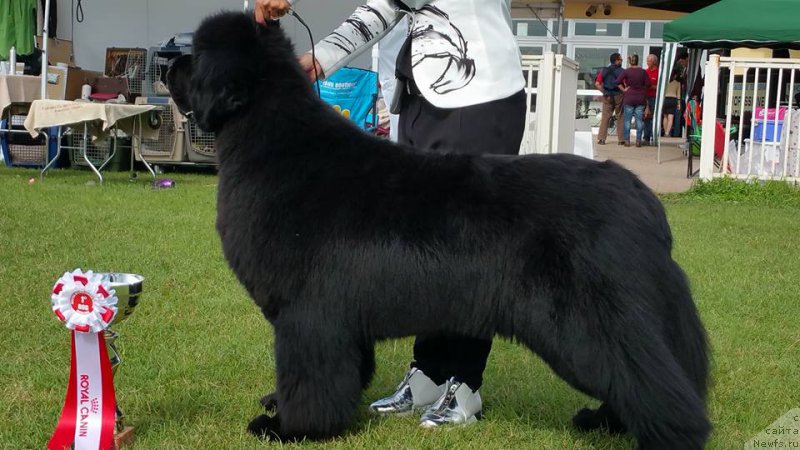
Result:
765,144
553,79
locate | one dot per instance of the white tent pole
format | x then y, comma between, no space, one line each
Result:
561,28
45,36
667,64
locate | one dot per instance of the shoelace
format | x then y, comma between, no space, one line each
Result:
406,379
448,398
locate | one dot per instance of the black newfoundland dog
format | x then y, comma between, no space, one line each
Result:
343,239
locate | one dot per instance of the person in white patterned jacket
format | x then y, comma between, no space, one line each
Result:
461,90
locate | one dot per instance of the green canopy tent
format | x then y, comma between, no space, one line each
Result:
726,24
739,23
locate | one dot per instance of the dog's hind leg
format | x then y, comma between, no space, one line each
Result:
686,334
656,399
627,366
319,380
651,395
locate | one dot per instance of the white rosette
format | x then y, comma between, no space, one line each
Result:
87,305
83,301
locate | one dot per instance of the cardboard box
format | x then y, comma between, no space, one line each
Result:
58,51
64,83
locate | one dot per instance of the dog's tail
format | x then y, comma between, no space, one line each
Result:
689,340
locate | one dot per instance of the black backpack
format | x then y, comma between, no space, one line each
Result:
610,75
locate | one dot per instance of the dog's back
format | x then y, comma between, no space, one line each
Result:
375,209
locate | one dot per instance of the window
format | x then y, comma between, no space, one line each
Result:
555,27
531,49
530,28
598,29
636,30
592,60
656,30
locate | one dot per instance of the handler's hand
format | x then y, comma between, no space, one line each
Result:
308,63
271,9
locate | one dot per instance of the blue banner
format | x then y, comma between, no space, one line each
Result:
352,92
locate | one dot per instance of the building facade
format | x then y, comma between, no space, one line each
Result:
592,31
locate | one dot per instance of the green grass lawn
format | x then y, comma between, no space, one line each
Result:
198,354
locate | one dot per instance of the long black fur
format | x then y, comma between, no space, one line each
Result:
343,240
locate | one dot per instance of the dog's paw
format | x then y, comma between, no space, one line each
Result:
270,402
593,419
265,427
586,420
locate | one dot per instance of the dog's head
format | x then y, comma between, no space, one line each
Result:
231,58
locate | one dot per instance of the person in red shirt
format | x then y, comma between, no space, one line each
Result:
650,97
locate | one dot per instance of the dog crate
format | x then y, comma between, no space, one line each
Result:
20,149
169,145
200,146
159,59
130,64
99,151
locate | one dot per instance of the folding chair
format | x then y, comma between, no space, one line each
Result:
695,137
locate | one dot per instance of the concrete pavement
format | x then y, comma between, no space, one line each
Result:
669,176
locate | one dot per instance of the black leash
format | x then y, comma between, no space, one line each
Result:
313,53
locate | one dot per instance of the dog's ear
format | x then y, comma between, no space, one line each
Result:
213,108
179,82
210,99
226,68
215,96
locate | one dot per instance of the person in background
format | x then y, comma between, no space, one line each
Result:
632,82
462,91
682,64
650,97
672,106
606,82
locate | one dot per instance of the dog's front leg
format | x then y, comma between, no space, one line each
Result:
265,426
319,380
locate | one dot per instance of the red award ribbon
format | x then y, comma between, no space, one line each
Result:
86,305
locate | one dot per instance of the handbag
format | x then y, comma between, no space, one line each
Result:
648,112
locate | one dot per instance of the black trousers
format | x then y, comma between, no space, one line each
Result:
494,127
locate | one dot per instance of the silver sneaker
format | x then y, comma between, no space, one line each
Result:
416,391
458,405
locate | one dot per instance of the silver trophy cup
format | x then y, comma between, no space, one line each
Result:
128,287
